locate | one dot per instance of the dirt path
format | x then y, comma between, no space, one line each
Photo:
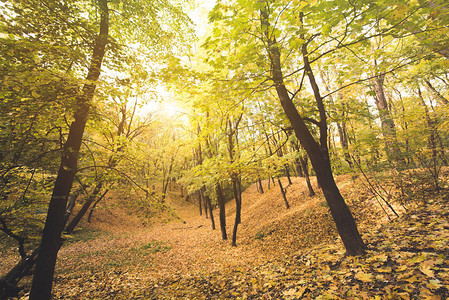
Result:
188,247
119,257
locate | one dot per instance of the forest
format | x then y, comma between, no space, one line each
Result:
199,149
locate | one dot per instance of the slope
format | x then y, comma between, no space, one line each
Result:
120,258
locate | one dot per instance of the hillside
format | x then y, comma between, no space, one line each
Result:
281,253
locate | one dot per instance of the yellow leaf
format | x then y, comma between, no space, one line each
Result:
384,270
401,268
365,277
435,284
380,277
428,295
412,279
425,268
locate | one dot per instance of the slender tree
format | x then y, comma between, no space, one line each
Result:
317,151
54,224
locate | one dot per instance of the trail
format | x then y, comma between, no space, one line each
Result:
116,258
280,253
194,246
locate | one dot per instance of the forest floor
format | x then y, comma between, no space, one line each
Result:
281,253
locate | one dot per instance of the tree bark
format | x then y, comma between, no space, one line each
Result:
89,218
209,205
284,196
74,222
260,185
387,122
54,224
71,203
222,211
305,169
341,124
238,208
20,240
8,283
287,173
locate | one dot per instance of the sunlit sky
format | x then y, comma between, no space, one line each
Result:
168,103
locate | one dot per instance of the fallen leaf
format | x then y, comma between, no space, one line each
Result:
365,277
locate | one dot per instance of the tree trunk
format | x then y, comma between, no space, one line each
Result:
298,168
200,200
222,211
287,173
19,239
95,205
440,98
71,203
387,122
303,160
260,185
302,168
74,222
434,169
54,224
341,124
209,205
283,194
8,283
238,208
318,152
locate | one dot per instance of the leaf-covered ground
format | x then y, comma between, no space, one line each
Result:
408,259
281,254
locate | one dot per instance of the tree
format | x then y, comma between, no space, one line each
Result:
318,152
61,39
264,36
54,224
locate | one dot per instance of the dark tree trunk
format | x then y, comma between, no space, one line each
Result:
341,124
209,205
298,168
71,203
20,239
236,185
54,224
305,168
205,203
95,205
74,222
222,211
284,196
318,152
260,185
112,163
8,283
302,167
235,177
287,173
344,142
